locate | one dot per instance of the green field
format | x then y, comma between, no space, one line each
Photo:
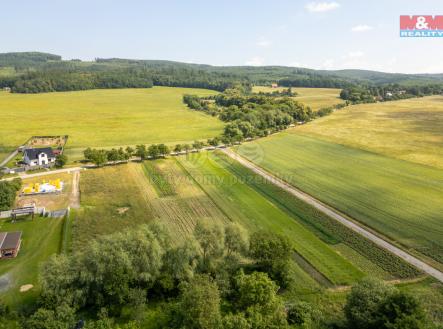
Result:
105,118
40,239
245,205
316,98
115,198
180,191
401,200
409,129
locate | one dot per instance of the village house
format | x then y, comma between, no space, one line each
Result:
10,244
274,85
39,157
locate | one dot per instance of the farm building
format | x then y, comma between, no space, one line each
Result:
39,156
10,244
274,85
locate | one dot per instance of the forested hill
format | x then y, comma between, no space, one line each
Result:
33,72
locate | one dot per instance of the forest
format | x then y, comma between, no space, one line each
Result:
40,72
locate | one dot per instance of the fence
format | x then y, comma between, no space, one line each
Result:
39,211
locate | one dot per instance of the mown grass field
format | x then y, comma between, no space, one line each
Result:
402,200
40,239
410,129
316,98
105,118
115,198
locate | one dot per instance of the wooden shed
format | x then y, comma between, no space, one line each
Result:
10,243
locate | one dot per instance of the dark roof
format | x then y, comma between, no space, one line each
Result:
11,241
32,154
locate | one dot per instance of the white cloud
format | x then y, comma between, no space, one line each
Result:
319,7
255,61
361,28
264,43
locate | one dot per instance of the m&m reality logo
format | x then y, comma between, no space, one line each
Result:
421,26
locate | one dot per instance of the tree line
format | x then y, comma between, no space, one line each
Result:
389,92
101,157
219,277
314,81
69,77
279,93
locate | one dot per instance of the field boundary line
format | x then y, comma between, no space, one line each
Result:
335,214
187,173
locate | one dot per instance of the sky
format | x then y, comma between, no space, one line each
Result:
339,34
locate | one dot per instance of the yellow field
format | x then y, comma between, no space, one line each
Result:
105,118
316,98
410,129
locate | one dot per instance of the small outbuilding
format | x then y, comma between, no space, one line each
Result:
39,156
10,243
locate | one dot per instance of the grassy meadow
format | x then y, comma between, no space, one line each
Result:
409,129
41,238
402,200
104,118
118,197
316,98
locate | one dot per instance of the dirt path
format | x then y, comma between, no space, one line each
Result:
74,200
46,173
338,217
8,158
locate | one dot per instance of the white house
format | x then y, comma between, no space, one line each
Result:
39,157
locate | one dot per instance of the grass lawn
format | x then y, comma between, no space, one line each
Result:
248,207
400,199
105,118
316,98
41,238
409,129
